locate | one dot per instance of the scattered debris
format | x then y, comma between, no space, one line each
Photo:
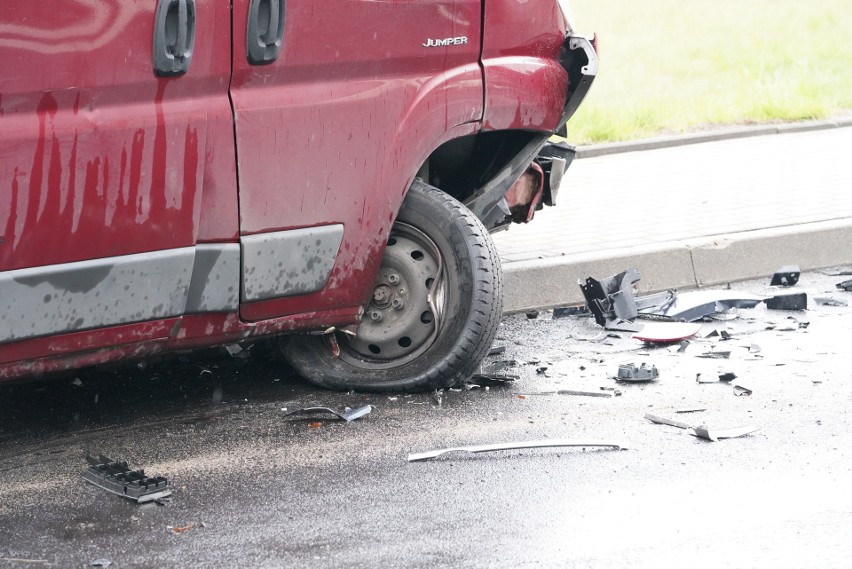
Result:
629,372
836,272
493,379
496,350
690,409
787,275
829,301
118,478
612,302
541,370
438,397
180,529
741,390
567,392
100,563
667,332
845,285
727,377
716,434
699,380
554,443
715,355
695,305
702,431
683,346
532,314
792,301
566,311
347,415
314,425
754,349
664,421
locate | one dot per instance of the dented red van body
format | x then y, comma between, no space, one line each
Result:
185,173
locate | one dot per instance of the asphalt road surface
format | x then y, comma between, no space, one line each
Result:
253,488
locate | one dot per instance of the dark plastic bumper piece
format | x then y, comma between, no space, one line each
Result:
117,477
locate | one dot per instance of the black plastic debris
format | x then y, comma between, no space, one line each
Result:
629,372
100,563
347,415
566,311
845,285
727,377
787,275
493,379
117,477
496,350
611,300
793,301
532,314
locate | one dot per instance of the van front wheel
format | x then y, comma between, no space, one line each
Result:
434,312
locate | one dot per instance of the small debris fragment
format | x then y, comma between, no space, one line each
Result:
725,335
567,392
715,355
438,397
690,409
667,332
741,390
845,285
683,346
496,350
629,372
314,425
787,275
717,434
566,311
754,349
347,415
494,379
541,370
699,380
180,529
100,563
793,301
532,314
665,421
554,443
727,377
829,301
118,478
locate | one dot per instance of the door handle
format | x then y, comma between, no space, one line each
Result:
174,37
265,31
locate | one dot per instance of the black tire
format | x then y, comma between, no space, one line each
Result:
392,353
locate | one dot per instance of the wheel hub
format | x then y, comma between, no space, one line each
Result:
400,320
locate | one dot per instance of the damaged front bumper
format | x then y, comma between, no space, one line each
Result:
531,180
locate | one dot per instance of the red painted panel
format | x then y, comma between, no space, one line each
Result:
336,128
65,344
525,87
99,157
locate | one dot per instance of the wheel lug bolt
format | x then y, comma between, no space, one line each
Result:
402,291
393,278
397,304
376,316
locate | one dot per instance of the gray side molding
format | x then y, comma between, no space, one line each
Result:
288,263
215,284
62,298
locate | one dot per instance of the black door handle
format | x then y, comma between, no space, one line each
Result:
265,31
174,37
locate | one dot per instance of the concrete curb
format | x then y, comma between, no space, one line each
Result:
594,150
683,264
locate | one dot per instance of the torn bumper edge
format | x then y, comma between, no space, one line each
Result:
579,59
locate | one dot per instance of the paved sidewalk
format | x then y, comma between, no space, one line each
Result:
688,216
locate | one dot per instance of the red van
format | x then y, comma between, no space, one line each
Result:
186,173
